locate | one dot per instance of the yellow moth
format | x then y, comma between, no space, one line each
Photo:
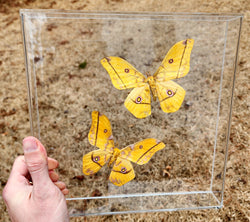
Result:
176,64
100,135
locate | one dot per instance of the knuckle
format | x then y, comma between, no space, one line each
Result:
36,166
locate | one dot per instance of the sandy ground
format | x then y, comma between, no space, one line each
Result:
15,126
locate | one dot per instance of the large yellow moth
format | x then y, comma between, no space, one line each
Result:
176,64
100,135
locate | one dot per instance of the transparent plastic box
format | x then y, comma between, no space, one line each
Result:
189,173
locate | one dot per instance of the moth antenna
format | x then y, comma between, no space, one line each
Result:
147,74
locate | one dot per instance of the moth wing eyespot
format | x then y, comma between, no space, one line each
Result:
123,170
138,100
126,70
96,159
170,93
170,61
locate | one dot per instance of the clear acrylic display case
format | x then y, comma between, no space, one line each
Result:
189,173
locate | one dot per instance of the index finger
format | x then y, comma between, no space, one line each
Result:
52,163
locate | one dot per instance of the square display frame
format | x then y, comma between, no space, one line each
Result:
192,176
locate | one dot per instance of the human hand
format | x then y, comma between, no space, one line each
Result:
43,198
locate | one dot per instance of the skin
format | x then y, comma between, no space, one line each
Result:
33,191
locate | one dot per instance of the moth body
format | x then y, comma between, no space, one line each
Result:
150,80
114,156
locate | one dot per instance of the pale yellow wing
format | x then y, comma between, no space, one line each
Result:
138,102
141,152
123,75
170,95
176,63
93,161
100,133
122,172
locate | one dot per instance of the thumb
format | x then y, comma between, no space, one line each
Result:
37,162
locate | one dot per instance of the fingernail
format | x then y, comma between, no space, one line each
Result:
29,145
